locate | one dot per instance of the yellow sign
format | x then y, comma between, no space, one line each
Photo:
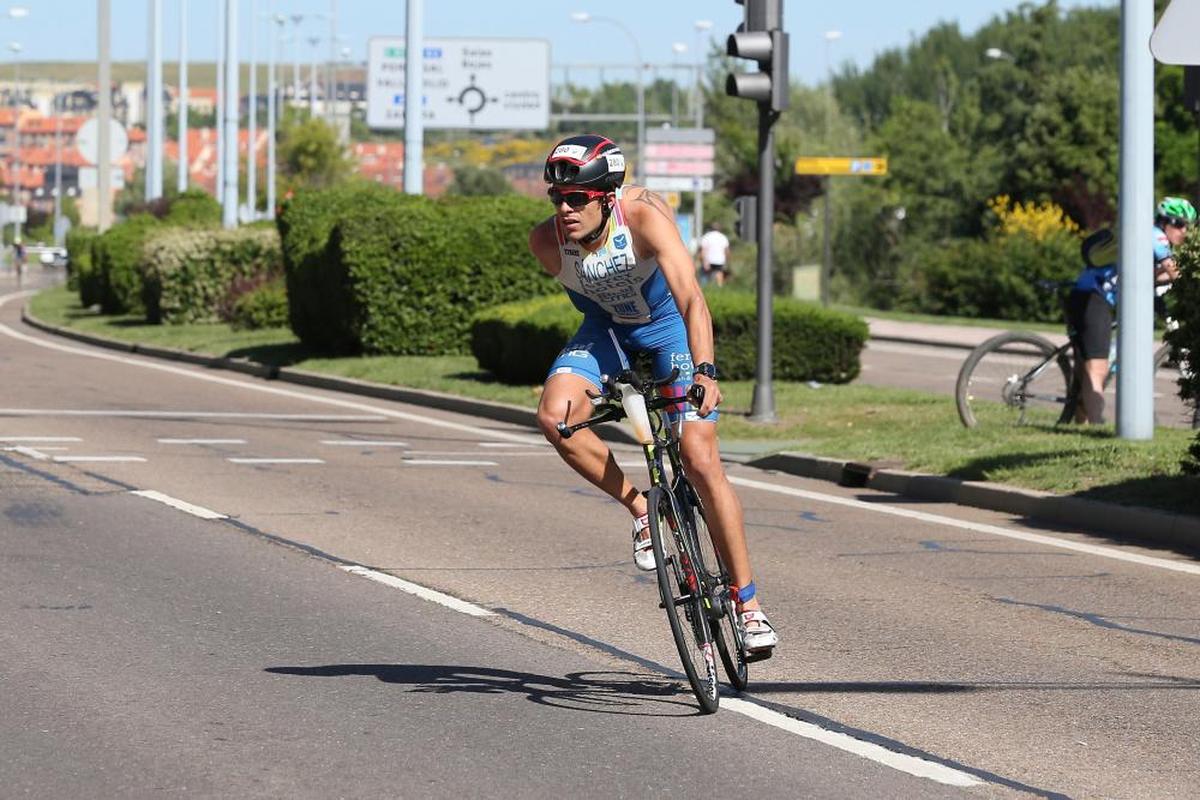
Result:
839,165
673,199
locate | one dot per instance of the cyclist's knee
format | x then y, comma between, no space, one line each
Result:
701,458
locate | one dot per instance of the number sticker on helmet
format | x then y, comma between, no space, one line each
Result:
575,151
616,162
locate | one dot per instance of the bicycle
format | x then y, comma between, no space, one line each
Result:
693,583
1020,376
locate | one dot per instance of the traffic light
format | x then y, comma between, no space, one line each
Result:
761,38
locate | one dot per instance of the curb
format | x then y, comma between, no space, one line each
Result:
1094,516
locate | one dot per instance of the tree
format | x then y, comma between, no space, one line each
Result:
311,156
471,181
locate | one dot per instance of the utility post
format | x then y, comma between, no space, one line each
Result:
761,38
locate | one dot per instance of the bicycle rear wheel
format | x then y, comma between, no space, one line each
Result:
722,616
1011,379
680,588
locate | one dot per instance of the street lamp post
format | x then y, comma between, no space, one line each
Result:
296,20
272,111
229,196
219,107
181,125
15,47
154,107
677,49
585,17
252,123
702,27
312,77
827,222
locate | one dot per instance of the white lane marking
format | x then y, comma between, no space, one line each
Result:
448,462
424,593
491,454
182,505
513,444
919,767
275,461
29,451
363,443
40,439
474,430
201,441
978,527
114,459
150,414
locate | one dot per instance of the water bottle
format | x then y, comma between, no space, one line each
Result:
635,411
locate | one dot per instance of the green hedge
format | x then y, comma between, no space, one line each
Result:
372,270
195,208
1184,298
117,256
518,341
318,291
197,275
263,307
83,276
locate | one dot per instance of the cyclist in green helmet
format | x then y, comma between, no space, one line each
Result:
1090,306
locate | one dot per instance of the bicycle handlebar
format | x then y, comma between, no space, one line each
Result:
613,412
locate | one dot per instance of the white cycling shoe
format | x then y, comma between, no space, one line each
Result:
760,636
643,550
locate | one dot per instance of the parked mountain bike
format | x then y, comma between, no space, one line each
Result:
693,583
1020,377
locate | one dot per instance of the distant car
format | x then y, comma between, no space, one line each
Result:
47,254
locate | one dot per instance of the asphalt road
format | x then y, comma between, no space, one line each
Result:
148,649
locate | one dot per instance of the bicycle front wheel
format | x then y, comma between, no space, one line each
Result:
680,588
1011,379
722,616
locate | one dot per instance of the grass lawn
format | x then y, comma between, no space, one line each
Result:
906,429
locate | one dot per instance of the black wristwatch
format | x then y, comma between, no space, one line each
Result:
706,369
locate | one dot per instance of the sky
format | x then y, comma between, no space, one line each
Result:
65,29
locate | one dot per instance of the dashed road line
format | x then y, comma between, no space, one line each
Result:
424,592
363,443
275,460
33,439
101,459
201,441
448,462
182,505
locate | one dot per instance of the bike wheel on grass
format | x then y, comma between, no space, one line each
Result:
679,589
722,615
1011,379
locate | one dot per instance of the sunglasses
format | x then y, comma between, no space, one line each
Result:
576,199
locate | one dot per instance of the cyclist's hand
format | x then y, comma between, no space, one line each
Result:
712,393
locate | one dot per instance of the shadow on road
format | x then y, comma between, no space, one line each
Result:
601,692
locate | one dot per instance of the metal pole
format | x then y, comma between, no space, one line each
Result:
182,117
154,105
219,186
272,91
827,244
17,143
1135,340
252,123
331,80
104,114
58,235
698,195
296,20
762,407
312,76
414,96
230,195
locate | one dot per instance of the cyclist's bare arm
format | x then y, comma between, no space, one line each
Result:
653,225
1166,271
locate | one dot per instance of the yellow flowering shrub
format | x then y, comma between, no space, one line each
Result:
1039,221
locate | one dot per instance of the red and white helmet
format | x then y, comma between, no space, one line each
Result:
587,160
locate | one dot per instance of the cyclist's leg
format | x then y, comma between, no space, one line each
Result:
576,371
1094,326
667,343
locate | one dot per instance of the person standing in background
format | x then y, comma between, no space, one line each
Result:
714,256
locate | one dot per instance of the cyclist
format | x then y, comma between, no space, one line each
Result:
1091,302
619,257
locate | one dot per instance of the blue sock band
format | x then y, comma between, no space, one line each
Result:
746,592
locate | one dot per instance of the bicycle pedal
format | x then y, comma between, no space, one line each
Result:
759,655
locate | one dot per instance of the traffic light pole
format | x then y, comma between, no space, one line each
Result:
762,406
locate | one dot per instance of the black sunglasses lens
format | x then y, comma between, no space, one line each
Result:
573,199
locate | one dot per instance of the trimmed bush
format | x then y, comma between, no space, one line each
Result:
117,257
371,270
197,275
1185,307
195,208
82,275
319,297
263,307
517,342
